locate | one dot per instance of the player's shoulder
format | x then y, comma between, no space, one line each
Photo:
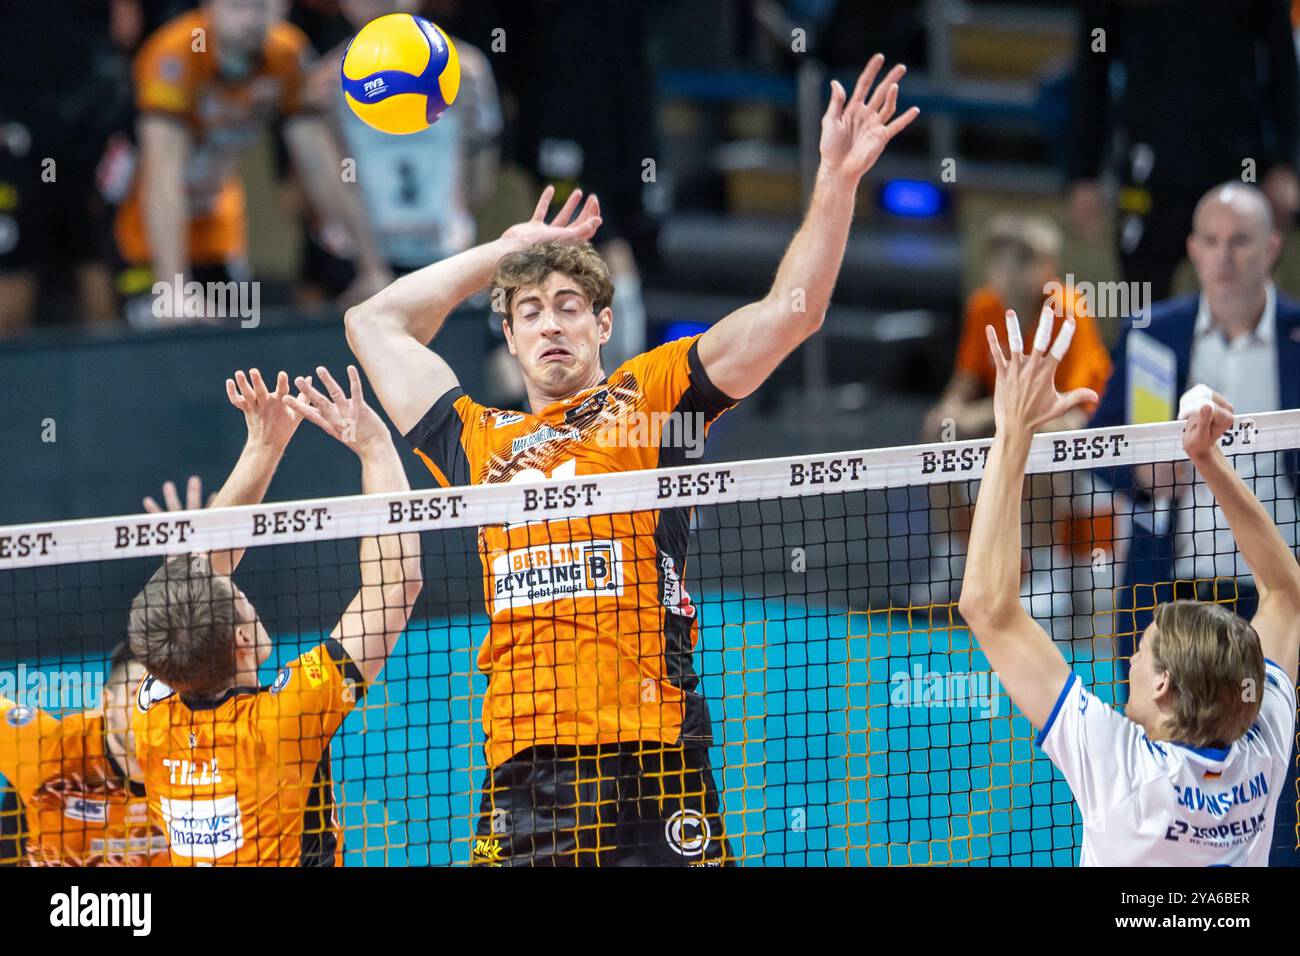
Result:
17,714
666,356
286,49
151,693
177,37
1277,707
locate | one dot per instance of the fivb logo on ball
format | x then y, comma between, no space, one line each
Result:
400,73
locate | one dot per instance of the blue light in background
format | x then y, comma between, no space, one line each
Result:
681,330
911,198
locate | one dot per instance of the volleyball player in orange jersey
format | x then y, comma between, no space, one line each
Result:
597,736
239,774
208,84
78,796
81,789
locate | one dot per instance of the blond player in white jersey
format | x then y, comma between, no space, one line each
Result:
1191,773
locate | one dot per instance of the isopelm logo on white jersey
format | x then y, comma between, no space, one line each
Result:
78,909
552,572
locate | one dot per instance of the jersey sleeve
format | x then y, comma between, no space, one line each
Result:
1102,754
1277,710
672,378
289,59
449,437
23,735
308,701
164,75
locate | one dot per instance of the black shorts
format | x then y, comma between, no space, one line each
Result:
629,804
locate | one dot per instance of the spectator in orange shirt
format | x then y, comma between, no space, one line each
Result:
1024,261
1023,274
208,84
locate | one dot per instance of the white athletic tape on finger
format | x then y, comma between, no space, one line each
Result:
1062,344
1014,340
1193,399
1043,334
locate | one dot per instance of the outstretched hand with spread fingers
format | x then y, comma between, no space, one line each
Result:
344,416
856,128
270,422
1025,397
560,229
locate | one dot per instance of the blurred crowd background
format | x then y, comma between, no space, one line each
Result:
1059,142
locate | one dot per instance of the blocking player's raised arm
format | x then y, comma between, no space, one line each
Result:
1025,398
271,424
390,332
1277,576
745,347
391,576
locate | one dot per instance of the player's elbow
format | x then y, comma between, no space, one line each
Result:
357,320
362,323
1283,593
986,611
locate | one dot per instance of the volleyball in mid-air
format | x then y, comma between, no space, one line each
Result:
400,73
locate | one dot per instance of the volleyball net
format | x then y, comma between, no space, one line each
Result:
850,717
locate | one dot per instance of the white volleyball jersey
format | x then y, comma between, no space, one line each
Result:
1158,803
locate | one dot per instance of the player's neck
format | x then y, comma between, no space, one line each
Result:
122,756
539,398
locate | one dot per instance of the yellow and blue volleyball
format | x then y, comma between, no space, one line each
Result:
400,73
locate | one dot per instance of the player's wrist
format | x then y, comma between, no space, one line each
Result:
264,449
374,449
837,179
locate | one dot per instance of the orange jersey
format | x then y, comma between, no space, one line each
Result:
81,810
592,628
177,77
1086,365
245,780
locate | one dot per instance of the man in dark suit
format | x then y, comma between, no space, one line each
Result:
1241,338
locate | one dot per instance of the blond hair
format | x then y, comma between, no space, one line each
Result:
1032,237
1216,663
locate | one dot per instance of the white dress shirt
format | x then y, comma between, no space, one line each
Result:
1245,372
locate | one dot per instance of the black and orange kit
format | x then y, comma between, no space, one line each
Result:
80,808
245,779
596,736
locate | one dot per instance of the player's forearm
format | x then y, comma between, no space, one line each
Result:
166,214
317,158
391,575
812,262
991,586
1261,544
420,302
246,485
250,477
